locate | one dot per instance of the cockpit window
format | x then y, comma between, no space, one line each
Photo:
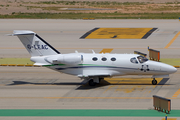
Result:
134,60
142,59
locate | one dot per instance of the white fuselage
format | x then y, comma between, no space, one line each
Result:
86,65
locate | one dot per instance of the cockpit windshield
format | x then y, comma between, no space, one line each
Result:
142,59
134,60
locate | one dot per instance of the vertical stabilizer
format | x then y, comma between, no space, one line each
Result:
34,44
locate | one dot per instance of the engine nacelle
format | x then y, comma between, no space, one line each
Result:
70,59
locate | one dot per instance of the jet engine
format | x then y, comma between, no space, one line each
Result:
70,59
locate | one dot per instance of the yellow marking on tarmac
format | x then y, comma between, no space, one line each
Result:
118,33
76,98
131,81
127,89
172,40
130,89
108,88
169,119
176,93
143,84
98,97
106,50
27,72
80,98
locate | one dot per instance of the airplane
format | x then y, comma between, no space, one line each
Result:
92,67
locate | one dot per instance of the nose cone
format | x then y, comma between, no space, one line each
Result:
161,68
170,69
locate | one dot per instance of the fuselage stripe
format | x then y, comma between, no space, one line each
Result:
98,66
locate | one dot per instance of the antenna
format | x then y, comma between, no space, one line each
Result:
93,52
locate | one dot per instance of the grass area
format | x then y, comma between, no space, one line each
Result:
94,3
90,3
171,61
113,10
128,6
93,15
25,61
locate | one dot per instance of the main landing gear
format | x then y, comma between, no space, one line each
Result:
154,81
94,81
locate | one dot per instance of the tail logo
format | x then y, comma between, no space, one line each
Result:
37,47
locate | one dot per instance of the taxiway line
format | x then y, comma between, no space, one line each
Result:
176,93
80,98
167,46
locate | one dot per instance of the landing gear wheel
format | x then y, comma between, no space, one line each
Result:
92,83
154,82
100,79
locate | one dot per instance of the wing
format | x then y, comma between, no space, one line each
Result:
94,75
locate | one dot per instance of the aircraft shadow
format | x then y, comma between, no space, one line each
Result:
130,82
32,83
86,86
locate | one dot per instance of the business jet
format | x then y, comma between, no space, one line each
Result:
92,67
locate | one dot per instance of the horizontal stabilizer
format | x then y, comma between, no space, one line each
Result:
22,32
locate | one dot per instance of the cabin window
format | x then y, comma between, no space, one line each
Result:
104,59
94,58
113,59
81,58
134,60
142,59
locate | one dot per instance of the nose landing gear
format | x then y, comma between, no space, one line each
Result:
154,81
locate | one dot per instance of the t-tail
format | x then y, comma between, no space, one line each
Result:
34,44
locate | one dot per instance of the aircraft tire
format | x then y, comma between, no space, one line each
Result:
154,82
92,83
100,79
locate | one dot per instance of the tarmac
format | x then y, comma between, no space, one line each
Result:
39,88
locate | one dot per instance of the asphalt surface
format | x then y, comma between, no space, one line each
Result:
65,35
41,88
